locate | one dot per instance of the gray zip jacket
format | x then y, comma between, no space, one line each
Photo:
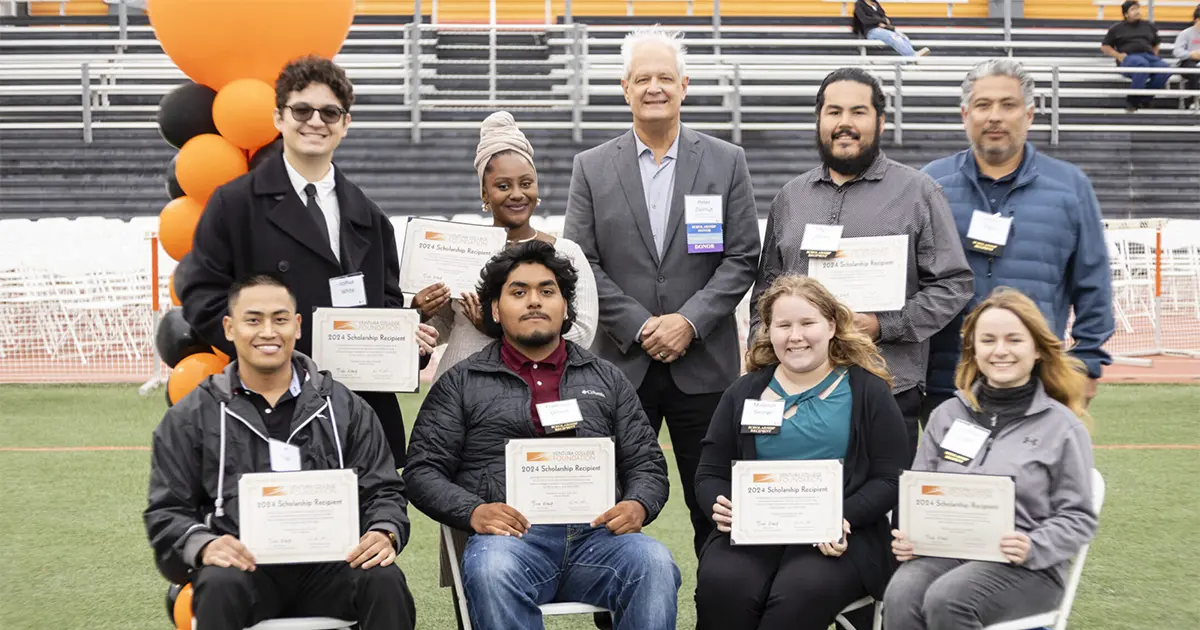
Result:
1048,453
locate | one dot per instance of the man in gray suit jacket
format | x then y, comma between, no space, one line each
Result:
666,217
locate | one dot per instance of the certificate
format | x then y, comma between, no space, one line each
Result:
956,515
299,517
368,349
558,481
444,251
786,502
867,274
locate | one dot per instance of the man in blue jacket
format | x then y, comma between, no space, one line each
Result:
1026,220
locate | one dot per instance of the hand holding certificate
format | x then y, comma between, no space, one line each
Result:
956,515
560,480
368,349
299,517
444,251
787,502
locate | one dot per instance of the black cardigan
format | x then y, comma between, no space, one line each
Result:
878,450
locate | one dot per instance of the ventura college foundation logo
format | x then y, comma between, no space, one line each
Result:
932,490
339,324
763,478
435,236
273,491
537,457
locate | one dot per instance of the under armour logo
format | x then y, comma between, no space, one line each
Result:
1030,440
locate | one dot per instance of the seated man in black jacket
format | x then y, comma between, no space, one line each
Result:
456,465
272,410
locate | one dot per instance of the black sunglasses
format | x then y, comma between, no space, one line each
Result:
303,112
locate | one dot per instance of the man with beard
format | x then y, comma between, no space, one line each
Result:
456,464
861,190
1053,247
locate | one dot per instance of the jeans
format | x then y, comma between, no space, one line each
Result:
898,42
507,578
945,594
1144,80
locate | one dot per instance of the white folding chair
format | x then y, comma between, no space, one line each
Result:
1057,618
299,623
455,562
877,622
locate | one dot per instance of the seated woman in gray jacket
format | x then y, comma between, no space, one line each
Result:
1016,383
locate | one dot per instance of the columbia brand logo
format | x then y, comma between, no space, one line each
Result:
592,392
1030,440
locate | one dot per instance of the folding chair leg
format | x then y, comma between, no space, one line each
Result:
457,611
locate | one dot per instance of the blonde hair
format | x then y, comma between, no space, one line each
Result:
1064,377
654,35
848,346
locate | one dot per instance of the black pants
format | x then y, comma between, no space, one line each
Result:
773,587
231,599
909,402
1190,81
687,417
388,409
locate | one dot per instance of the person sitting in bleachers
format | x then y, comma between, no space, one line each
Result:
1187,51
1020,403
456,469
838,404
870,21
1133,42
273,410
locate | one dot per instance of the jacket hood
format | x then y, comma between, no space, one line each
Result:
222,385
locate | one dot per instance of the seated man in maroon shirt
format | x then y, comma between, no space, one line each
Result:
456,471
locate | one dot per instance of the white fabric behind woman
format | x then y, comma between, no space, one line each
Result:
463,339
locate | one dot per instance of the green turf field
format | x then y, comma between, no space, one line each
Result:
73,553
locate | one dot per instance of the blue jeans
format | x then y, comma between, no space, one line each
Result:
1144,80
898,42
507,578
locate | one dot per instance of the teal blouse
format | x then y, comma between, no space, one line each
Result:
818,428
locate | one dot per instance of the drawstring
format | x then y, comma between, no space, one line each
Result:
337,440
221,469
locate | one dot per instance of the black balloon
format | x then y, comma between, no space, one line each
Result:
175,339
185,113
174,190
265,153
172,594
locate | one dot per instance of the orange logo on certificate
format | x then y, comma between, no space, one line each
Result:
435,236
763,478
273,491
932,490
339,324
537,457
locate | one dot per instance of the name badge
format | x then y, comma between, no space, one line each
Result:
962,442
821,241
762,417
284,456
348,291
988,233
704,218
559,416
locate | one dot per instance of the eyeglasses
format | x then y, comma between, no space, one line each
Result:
303,112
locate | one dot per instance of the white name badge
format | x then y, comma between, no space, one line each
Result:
988,233
558,416
762,417
964,439
704,218
348,291
821,241
284,456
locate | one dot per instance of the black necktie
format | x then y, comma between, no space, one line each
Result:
315,210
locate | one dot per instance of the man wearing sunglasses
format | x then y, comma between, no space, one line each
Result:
298,217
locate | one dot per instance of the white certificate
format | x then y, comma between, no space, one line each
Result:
444,251
368,349
299,517
557,481
868,274
956,515
786,502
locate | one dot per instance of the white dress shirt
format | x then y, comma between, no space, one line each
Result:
327,199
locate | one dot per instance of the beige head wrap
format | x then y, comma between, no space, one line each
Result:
497,134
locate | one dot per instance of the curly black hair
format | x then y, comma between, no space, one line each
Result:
495,275
304,71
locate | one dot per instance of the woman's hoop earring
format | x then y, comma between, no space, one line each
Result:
486,209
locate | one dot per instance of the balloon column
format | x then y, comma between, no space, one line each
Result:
222,121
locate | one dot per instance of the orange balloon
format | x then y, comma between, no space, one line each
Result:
217,41
207,162
243,112
183,609
171,287
176,226
190,372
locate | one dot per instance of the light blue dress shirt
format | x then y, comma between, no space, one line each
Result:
658,184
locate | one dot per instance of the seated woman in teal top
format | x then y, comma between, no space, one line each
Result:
838,404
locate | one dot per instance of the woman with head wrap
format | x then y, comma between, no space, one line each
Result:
509,190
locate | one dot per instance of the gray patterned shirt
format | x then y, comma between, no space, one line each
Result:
888,199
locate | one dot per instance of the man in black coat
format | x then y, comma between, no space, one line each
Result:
273,410
457,460
299,217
